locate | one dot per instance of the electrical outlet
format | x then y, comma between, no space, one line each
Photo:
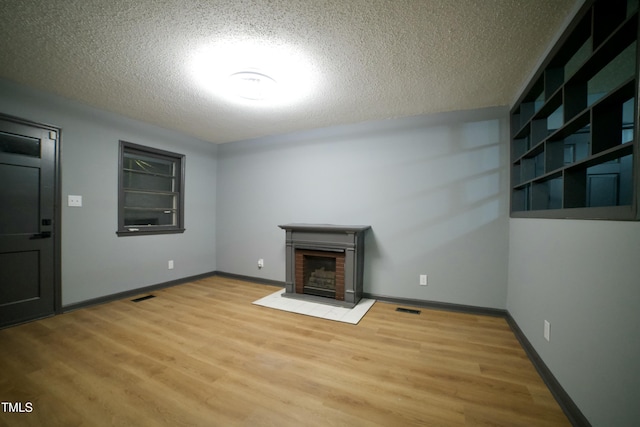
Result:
260,263
75,201
423,280
170,264
547,330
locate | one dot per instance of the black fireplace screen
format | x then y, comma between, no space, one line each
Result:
319,276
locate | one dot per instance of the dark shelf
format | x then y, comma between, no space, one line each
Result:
606,17
625,35
533,151
605,156
613,213
524,131
574,129
550,106
547,176
572,126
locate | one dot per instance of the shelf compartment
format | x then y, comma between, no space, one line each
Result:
553,81
571,126
581,56
597,76
537,95
607,15
575,99
555,120
547,120
531,104
539,131
549,108
574,51
581,94
547,193
619,70
515,123
601,181
544,127
607,52
569,144
613,118
516,171
520,199
567,151
524,132
532,166
520,147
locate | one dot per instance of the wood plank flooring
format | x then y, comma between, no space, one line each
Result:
200,354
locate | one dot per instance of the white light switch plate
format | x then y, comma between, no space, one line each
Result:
75,201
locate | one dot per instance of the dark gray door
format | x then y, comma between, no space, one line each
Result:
27,194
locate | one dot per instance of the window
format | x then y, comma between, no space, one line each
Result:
150,191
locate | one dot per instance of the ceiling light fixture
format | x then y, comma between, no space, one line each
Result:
252,85
254,73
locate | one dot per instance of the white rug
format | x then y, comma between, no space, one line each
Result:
324,311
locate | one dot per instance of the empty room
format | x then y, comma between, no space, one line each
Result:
319,213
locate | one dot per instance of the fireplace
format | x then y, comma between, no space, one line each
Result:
324,263
320,273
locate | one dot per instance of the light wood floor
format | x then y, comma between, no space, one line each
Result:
201,354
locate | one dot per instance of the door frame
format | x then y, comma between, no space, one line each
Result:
57,208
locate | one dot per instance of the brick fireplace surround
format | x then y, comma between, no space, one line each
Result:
341,245
336,274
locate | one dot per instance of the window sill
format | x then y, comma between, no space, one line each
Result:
148,232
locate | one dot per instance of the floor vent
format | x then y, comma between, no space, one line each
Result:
408,310
143,298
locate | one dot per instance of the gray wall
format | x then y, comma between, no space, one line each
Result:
95,262
433,189
584,278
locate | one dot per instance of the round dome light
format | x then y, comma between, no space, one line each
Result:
252,85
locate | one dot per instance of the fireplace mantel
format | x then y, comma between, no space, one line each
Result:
328,238
326,227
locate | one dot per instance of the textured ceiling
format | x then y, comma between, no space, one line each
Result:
364,59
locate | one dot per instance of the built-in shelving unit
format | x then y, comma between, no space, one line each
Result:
574,149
